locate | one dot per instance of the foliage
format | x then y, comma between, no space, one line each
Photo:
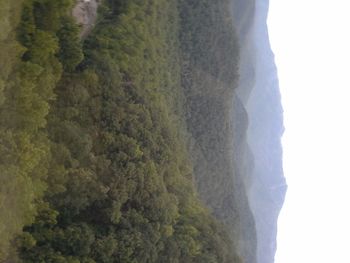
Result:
29,72
210,56
93,136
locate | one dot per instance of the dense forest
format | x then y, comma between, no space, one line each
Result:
98,135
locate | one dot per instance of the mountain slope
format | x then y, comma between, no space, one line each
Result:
96,132
259,91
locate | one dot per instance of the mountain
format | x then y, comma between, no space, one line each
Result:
243,165
258,90
116,132
138,131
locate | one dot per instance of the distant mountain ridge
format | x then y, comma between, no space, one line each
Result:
258,90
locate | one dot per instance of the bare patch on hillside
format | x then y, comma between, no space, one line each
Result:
85,13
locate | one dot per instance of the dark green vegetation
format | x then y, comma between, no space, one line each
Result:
94,163
209,74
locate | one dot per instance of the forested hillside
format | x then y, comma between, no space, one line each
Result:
215,118
96,133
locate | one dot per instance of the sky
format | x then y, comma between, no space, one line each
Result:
311,42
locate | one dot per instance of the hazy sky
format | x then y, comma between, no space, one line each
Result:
311,42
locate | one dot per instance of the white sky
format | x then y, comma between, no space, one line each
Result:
311,41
